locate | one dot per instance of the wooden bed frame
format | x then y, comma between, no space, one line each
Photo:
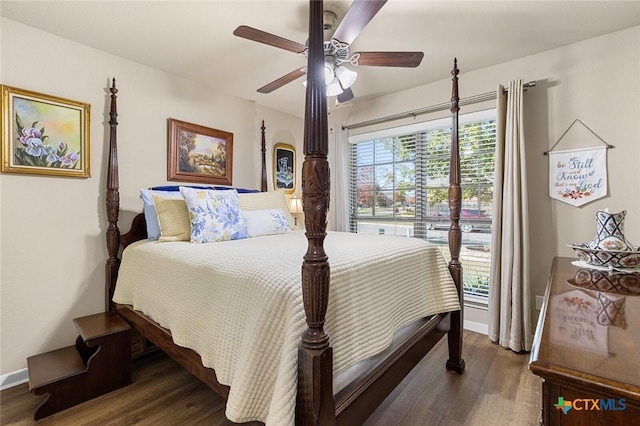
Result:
316,404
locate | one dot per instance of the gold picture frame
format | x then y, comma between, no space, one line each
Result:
199,154
284,168
44,134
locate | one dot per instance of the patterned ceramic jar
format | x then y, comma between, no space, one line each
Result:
610,232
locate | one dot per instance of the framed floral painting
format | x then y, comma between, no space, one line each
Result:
199,154
44,135
284,167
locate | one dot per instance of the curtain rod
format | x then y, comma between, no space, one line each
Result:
433,108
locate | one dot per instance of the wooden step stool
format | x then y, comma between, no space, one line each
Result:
100,362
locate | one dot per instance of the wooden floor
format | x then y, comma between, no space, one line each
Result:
496,389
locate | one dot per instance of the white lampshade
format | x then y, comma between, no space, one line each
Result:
333,88
295,207
328,72
346,76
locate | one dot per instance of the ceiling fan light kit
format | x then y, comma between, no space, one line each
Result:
338,78
336,82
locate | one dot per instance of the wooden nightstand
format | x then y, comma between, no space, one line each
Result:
587,350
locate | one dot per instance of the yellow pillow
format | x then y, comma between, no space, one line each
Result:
173,218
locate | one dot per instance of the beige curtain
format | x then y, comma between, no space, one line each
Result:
339,163
509,288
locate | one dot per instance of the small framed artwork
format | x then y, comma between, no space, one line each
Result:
199,154
44,135
284,167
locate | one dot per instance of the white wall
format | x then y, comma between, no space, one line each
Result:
52,242
596,81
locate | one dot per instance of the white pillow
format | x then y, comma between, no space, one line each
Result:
267,200
265,222
214,215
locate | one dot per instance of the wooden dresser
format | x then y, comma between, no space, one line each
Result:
587,347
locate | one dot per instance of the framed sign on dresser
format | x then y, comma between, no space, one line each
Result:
587,347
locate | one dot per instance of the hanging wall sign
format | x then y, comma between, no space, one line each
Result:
578,176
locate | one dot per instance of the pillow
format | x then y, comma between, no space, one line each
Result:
214,215
150,216
265,222
173,218
176,188
238,190
267,200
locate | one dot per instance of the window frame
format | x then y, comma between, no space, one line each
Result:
420,184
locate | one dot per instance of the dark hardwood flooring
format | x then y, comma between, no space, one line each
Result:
496,389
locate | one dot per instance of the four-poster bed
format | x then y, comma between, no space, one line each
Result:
316,402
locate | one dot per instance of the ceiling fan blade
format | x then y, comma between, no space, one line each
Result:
390,59
260,36
357,17
346,95
287,78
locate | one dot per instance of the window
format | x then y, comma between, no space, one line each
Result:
399,180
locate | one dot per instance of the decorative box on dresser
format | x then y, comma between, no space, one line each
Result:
587,347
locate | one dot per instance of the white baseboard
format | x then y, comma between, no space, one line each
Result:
16,378
476,326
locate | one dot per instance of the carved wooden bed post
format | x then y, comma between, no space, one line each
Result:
263,184
315,403
113,202
455,362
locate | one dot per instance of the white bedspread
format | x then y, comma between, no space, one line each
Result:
224,299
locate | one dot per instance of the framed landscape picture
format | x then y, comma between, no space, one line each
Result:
44,135
199,154
284,167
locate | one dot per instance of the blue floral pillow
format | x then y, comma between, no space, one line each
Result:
214,215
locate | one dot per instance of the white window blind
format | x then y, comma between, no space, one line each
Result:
399,186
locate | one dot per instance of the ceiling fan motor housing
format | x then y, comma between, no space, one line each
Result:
330,20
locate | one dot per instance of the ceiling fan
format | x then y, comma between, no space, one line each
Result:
338,77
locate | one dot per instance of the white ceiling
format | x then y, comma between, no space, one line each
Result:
194,39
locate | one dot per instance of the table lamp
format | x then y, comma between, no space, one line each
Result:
295,207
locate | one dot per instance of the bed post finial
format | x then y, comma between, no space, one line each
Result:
113,202
315,401
455,362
